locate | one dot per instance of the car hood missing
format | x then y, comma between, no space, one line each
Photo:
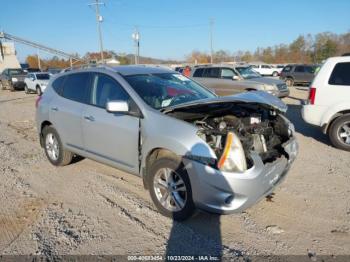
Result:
253,97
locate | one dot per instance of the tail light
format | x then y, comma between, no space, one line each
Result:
312,95
233,157
37,101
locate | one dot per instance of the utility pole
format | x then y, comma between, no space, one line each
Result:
211,24
99,19
136,37
37,54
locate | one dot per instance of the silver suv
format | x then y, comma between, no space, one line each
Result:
191,148
227,80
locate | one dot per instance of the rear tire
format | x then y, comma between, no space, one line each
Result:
339,132
170,188
2,87
54,150
289,82
275,74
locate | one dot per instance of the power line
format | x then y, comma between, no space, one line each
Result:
99,20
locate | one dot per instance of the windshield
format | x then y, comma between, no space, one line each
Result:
43,76
164,90
247,72
16,72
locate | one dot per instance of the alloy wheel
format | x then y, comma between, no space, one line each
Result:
170,189
344,133
52,146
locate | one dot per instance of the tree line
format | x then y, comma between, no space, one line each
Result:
309,49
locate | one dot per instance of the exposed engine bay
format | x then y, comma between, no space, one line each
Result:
259,128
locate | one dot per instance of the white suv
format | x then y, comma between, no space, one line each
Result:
266,70
328,105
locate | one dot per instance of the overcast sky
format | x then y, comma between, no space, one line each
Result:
169,29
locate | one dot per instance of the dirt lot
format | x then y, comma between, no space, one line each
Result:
89,208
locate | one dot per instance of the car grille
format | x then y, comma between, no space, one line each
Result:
282,86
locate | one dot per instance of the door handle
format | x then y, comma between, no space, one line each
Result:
54,108
89,118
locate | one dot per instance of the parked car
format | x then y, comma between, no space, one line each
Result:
227,80
298,74
192,148
328,105
53,71
36,82
266,70
12,79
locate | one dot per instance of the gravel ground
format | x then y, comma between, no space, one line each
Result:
89,208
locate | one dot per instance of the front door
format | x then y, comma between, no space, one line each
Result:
109,137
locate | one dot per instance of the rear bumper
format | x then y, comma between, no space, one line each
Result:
311,114
18,85
225,192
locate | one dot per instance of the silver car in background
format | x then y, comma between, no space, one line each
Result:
191,148
228,80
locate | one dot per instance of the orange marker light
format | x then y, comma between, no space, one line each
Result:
227,148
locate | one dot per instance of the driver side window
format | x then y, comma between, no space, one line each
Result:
227,73
104,89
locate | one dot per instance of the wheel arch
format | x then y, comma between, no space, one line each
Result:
326,124
152,156
42,126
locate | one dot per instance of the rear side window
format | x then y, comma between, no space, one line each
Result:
57,85
299,69
198,72
213,72
75,87
340,74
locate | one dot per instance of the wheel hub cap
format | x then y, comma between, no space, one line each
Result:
52,147
170,189
344,133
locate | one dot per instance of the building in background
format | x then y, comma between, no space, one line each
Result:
8,58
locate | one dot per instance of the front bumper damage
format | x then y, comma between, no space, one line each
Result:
226,192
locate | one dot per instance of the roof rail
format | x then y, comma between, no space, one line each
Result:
89,65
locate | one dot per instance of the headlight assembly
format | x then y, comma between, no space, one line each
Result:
233,157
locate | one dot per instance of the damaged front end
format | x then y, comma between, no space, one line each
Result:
235,131
252,144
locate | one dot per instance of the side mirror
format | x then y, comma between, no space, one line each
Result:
235,78
117,106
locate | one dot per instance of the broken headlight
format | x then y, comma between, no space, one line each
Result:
233,157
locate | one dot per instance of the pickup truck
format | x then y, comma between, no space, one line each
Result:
12,79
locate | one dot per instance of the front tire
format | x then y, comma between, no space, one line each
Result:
170,188
54,150
38,91
2,86
275,74
289,82
26,90
339,132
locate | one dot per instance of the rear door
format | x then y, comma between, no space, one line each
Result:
109,137
299,74
66,108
